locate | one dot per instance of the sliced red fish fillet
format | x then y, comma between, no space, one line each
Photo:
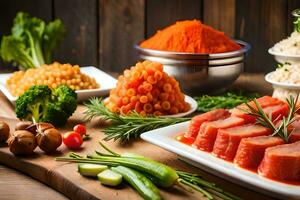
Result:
295,134
228,140
208,132
199,119
294,137
277,112
281,162
251,150
264,102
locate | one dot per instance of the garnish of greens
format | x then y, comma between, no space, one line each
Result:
31,42
279,128
228,100
296,14
126,126
145,174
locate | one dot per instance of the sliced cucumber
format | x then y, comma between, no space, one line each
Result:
87,169
109,177
132,155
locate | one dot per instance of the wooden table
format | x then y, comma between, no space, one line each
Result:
14,185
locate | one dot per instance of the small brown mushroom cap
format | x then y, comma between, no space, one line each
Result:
49,140
4,132
22,142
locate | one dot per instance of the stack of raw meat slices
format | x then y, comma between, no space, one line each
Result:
234,136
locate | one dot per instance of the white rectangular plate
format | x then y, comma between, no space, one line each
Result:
165,138
106,82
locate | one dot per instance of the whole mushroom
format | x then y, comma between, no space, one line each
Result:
23,125
22,142
49,139
4,132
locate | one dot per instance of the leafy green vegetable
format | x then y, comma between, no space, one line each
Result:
31,42
127,126
41,104
53,35
228,100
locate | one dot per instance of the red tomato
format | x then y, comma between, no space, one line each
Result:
80,128
72,140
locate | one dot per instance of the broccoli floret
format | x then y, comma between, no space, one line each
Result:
32,104
65,98
42,104
56,115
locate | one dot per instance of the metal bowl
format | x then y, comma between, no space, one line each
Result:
200,73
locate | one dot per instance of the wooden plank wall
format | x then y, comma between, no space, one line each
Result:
102,32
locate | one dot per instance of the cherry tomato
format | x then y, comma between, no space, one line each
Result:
72,140
80,128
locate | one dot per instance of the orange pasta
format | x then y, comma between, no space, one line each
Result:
148,90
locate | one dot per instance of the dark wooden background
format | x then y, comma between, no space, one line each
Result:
102,32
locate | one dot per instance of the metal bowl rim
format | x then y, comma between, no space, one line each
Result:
245,48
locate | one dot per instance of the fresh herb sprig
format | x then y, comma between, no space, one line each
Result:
228,100
211,188
282,129
126,127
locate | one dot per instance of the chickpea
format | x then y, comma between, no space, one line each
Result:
52,75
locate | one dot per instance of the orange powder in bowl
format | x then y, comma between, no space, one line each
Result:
190,36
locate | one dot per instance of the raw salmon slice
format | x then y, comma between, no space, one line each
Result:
208,116
277,112
251,150
295,134
281,162
208,132
264,102
228,140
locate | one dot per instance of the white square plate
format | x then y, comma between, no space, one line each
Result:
106,82
165,138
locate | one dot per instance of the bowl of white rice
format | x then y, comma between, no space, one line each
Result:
287,50
285,80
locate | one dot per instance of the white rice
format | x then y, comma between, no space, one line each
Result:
290,45
288,73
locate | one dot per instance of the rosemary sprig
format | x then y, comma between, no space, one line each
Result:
280,130
228,100
125,127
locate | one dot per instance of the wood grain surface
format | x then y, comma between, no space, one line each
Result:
16,186
220,14
162,13
80,18
121,25
64,178
103,32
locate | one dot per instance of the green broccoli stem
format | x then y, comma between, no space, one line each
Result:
36,50
35,110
